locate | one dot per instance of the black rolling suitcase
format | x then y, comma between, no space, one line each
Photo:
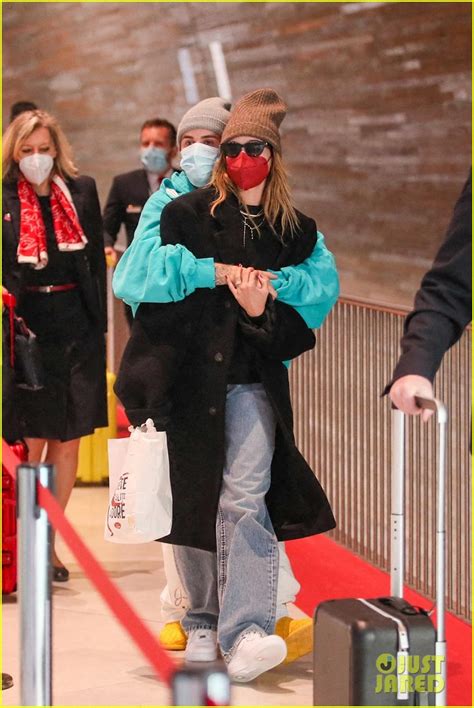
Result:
384,651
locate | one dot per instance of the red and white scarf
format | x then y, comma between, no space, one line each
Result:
32,247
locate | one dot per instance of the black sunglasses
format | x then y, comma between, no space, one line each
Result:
254,148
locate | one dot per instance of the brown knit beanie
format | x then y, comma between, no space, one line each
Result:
259,114
210,114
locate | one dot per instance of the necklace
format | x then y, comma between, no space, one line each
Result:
251,227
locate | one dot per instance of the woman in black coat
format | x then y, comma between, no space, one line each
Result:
209,370
53,263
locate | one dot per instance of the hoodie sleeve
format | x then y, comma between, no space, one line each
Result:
151,272
312,287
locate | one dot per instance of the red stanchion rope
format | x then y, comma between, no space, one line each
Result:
164,666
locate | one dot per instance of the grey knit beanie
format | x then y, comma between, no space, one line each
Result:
211,114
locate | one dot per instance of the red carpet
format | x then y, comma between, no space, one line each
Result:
326,570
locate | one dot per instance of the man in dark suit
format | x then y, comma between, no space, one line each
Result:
130,190
441,312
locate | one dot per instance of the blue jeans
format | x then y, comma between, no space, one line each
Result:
235,592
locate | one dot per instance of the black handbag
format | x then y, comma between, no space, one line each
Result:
29,372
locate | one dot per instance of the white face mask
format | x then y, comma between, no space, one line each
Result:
36,168
197,160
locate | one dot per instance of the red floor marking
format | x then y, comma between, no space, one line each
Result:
326,570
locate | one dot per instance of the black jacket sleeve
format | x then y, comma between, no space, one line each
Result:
442,306
158,343
279,334
114,214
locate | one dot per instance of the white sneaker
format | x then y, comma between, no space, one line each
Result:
201,646
254,655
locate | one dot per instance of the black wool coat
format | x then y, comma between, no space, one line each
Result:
89,409
175,368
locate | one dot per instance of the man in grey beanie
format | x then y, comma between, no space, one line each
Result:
178,274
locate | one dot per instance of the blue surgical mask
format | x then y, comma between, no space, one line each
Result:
197,161
154,159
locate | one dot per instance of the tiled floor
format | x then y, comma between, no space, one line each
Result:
94,661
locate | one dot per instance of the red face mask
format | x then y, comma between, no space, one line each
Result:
247,172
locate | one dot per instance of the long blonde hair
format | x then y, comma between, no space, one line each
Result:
20,130
276,199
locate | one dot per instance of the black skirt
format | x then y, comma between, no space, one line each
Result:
74,400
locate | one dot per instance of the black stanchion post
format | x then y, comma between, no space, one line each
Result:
201,685
34,586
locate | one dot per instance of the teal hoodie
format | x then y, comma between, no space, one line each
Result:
151,272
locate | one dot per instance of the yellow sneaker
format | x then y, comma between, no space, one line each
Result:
298,636
172,637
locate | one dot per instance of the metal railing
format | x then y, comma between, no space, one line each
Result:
342,426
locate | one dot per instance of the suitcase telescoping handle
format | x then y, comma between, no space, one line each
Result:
398,520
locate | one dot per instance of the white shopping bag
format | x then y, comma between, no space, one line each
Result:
140,502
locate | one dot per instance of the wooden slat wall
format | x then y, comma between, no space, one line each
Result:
377,137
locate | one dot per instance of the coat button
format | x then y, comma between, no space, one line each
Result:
218,357
212,410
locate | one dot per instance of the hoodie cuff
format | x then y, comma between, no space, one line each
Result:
205,273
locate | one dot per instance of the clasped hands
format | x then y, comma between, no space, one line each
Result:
250,287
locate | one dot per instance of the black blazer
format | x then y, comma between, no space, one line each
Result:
90,262
127,197
444,301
